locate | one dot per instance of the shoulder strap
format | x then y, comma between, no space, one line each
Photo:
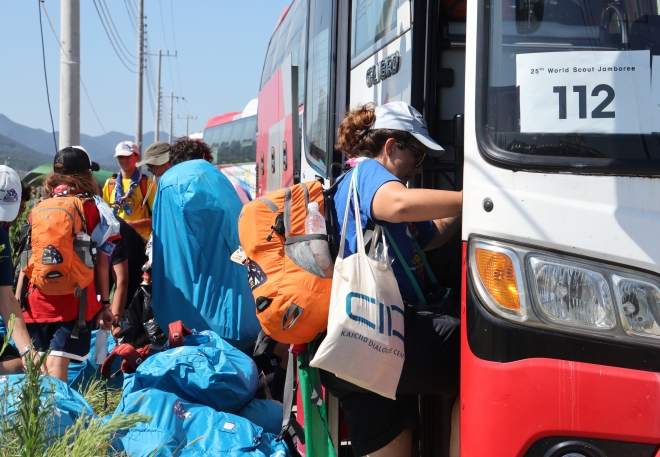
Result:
144,189
112,182
132,359
177,332
406,267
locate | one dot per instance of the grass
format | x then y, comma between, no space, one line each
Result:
25,425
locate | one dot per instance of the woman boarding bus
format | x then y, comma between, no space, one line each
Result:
548,113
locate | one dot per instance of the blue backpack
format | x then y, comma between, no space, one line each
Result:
68,405
182,428
207,370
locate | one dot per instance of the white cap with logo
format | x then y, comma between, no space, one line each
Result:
401,116
10,194
126,148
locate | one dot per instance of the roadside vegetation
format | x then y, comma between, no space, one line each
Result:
26,423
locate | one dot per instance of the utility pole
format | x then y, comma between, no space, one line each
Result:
172,97
140,71
70,74
187,118
158,94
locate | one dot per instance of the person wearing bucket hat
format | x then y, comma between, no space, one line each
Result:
388,145
52,319
130,193
157,159
10,202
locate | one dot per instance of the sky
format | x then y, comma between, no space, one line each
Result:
220,47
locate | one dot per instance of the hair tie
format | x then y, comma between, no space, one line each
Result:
364,132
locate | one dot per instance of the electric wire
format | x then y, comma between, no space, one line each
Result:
131,16
89,99
178,73
110,39
113,31
118,35
43,53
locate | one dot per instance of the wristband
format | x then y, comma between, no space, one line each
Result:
105,302
25,350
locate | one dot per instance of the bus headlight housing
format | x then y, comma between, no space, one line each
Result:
572,294
639,305
545,289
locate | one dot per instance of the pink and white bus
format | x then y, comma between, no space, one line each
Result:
231,137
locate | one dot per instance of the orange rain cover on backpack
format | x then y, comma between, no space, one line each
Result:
291,293
54,267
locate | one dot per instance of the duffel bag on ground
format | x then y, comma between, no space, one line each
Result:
211,373
182,428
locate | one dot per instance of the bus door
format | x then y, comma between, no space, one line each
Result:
561,335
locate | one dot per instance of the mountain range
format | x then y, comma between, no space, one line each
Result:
27,148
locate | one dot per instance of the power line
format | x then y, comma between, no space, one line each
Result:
43,53
103,3
178,73
109,38
113,31
89,99
131,16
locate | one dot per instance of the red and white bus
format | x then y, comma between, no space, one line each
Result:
231,137
548,111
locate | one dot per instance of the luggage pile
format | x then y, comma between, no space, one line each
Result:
199,392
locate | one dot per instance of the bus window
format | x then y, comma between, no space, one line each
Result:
211,137
225,142
372,21
247,152
318,85
571,83
296,42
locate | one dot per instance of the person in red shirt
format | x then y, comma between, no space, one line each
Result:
50,319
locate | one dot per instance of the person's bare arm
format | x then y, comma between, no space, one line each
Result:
394,202
444,230
121,289
9,306
140,223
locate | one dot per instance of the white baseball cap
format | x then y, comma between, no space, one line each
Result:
126,148
10,194
401,116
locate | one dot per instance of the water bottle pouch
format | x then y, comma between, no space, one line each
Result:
301,254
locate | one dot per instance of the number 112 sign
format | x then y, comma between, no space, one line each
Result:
585,92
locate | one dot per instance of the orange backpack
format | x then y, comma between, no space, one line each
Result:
291,293
62,258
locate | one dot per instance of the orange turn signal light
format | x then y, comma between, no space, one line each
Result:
498,275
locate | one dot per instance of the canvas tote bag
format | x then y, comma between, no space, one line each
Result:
365,340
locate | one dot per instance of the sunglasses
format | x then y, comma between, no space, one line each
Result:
421,155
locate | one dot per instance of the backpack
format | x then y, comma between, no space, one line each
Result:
292,296
112,182
62,255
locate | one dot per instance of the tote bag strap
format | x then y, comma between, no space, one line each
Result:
352,192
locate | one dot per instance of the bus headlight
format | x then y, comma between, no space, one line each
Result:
572,294
639,305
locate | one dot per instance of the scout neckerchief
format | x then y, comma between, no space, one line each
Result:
121,198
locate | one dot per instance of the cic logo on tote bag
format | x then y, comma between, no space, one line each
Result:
380,317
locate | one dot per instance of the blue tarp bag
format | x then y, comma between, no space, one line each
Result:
209,372
68,405
195,232
267,414
182,428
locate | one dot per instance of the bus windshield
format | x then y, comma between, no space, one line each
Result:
233,142
571,82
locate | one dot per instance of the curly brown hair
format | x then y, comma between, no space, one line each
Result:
185,149
356,139
83,182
